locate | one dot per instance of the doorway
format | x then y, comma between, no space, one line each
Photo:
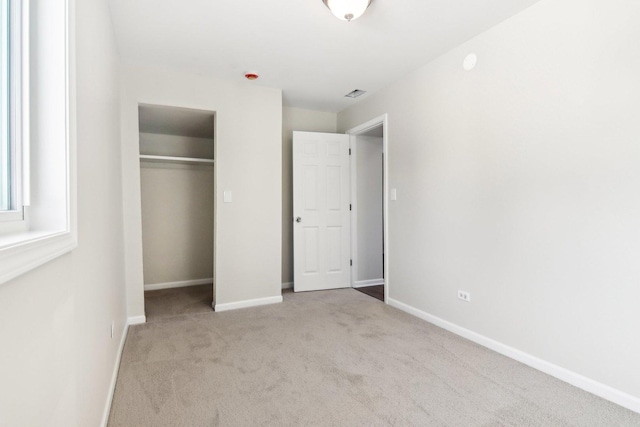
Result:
325,210
177,148
368,184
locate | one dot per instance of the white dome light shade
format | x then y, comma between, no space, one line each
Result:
347,10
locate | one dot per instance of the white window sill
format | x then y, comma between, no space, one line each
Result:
22,252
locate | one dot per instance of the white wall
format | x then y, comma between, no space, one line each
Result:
57,356
248,162
177,222
519,182
301,120
369,208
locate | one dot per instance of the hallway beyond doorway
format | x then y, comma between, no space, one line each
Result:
376,291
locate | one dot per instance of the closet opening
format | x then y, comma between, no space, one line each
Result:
177,152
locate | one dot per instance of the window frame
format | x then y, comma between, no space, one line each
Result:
49,225
18,110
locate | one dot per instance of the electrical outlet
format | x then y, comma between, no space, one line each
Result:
113,327
464,296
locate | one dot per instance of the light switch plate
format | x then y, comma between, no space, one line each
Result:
227,196
394,194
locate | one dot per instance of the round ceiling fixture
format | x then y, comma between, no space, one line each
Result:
251,75
470,62
347,10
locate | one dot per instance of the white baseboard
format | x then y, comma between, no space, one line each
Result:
114,376
372,282
358,284
136,320
180,284
248,303
587,384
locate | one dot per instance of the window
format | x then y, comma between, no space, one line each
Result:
5,147
12,143
37,148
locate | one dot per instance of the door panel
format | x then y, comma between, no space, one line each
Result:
321,239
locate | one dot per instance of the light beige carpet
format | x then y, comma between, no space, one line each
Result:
164,303
333,358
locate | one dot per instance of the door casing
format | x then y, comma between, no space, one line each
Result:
354,132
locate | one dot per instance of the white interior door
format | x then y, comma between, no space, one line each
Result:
321,217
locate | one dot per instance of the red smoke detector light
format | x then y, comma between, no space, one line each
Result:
251,76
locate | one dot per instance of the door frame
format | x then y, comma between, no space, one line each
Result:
353,132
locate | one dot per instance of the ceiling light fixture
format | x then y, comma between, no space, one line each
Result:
347,10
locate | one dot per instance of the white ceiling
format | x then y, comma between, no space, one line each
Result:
298,45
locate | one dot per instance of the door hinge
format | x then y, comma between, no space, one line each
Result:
350,207
349,151
351,262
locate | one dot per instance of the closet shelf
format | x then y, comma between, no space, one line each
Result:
170,159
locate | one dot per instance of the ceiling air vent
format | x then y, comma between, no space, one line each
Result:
356,93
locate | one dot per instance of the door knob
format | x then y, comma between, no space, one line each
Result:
298,219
